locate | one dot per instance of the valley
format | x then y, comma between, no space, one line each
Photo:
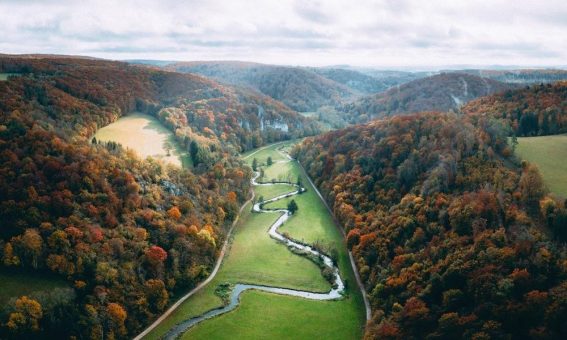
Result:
256,258
149,202
282,170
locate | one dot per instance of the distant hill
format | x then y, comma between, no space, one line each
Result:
524,76
300,89
442,92
392,78
150,62
48,56
319,92
356,81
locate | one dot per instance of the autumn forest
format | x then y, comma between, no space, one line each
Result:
388,205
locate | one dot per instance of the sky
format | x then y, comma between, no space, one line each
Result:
372,33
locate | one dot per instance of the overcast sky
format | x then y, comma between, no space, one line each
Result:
299,32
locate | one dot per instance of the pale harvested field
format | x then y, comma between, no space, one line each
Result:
146,136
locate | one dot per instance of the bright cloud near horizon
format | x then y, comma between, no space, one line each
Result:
387,33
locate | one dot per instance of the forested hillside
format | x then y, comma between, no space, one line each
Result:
127,234
523,76
443,92
298,88
239,117
392,77
357,81
535,110
452,238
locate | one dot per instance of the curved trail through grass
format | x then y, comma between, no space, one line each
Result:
336,291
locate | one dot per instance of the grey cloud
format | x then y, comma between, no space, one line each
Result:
293,31
312,11
134,49
261,43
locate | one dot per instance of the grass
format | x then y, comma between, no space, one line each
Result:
271,191
147,136
281,172
201,302
262,315
16,284
311,222
263,153
256,258
550,155
4,76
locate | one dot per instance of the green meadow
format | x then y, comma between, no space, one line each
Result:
263,153
550,155
268,316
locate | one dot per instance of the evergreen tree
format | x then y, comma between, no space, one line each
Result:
292,207
514,142
194,151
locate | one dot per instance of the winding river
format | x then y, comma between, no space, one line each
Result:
336,291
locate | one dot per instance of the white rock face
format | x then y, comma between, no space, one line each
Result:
457,100
278,126
264,123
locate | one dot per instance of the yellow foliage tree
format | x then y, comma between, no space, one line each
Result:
9,258
116,315
26,316
531,185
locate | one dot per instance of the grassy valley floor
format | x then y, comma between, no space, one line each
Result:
256,258
550,155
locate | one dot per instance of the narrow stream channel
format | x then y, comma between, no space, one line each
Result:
335,293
